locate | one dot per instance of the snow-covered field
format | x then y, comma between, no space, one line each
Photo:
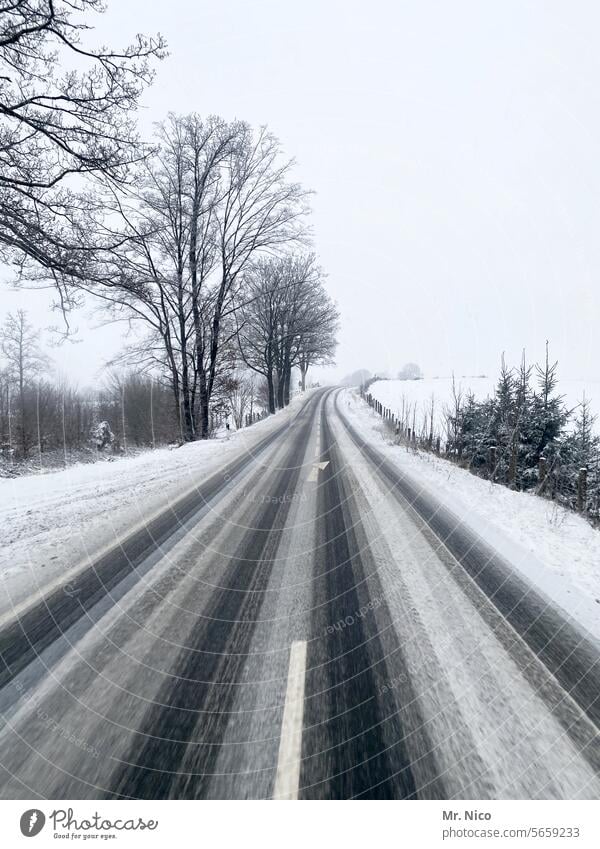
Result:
392,393
557,550
53,523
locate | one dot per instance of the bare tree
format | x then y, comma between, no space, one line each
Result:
259,319
410,371
59,128
261,212
24,362
213,198
318,341
288,320
168,251
240,390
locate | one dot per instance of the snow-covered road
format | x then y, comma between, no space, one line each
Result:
305,625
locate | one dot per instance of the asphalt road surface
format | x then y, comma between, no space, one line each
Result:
307,624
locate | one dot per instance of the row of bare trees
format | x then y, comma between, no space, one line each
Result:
189,240
213,238
47,421
287,320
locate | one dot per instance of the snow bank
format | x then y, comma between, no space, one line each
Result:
557,550
52,523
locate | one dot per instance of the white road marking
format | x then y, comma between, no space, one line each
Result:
313,475
318,433
287,780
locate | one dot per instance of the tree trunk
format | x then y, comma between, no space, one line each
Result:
286,385
280,389
203,394
204,402
188,412
303,371
24,446
271,391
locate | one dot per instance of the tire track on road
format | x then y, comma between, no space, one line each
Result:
358,740
213,662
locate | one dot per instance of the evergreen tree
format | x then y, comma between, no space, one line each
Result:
522,423
549,415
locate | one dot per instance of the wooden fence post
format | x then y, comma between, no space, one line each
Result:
582,490
542,473
492,460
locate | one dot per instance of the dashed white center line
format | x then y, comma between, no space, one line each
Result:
287,780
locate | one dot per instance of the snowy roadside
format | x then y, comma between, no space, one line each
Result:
53,523
558,551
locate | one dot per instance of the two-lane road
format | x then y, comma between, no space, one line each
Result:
306,625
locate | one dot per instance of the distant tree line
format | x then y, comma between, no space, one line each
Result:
46,422
523,436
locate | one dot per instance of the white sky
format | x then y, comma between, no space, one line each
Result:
453,148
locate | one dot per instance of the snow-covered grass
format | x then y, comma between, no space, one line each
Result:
557,550
418,393
53,523
55,460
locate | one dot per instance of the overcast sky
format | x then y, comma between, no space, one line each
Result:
453,148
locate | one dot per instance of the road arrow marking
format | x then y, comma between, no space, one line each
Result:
313,475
